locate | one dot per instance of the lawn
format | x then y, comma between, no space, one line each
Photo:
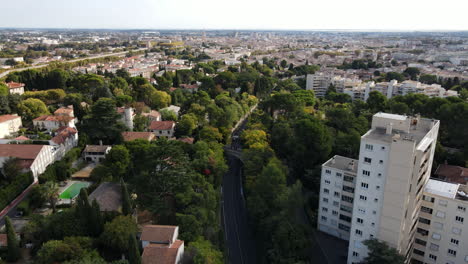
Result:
73,190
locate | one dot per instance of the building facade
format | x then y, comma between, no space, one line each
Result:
9,124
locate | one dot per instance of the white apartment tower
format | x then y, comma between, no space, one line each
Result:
394,165
319,83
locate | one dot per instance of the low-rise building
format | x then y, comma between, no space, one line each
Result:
96,153
9,124
162,128
153,115
65,139
129,136
109,197
161,245
34,158
16,88
63,117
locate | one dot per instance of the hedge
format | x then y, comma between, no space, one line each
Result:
9,192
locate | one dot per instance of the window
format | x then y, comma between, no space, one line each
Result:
348,189
428,199
336,194
377,187
454,241
362,210
346,208
420,242
355,254
374,212
345,218
452,252
432,257
367,160
366,172
434,247
334,212
325,200
327,181
360,220
380,161
456,230
324,209
339,174
364,185
358,232
418,252
443,202
328,171
426,210
369,147
440,214
436,236
335,203
422,231
347,199
344,227
461,208
383,148
424,221
459,219
325,190
363,198
466,258
324,218
348,178
379,175
376,200
333,222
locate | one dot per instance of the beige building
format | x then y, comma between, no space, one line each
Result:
16,88
9,124
442,229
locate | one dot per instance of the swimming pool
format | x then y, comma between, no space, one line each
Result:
73,190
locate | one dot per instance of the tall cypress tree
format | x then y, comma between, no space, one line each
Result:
13,250
134,256
126,204
83,208
96,222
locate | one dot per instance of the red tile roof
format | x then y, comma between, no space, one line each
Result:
162,125
54,118
4,118
187,140
22,138
14,85
64,110
158,233
129,136
21,151
63,133
455,174
155,254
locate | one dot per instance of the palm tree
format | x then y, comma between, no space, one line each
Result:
51,193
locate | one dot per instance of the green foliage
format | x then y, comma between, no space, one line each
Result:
32,108
69,249
134,256
13,250
160,99
103,115
10,191
117,232
186,125
168,115
381,253
4,91
126,203
201,251
117,160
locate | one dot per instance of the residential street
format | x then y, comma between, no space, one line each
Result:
239,240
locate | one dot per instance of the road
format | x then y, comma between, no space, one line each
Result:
75,60
238,235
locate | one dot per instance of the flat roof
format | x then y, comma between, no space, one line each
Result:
444,189
342,163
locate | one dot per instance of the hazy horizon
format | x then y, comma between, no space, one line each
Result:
297,15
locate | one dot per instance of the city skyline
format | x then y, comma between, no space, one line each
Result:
362,15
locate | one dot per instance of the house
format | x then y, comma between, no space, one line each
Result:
34,158
65,111
65,139
453,174
16,88
127,114
109,197
52,122
129,136
96,153
9,124
161,245
153,115
173,108
188,140
162,128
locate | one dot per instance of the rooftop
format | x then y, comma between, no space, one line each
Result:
342,163
96,148
161,125
14,85
129,136
391,116
155,254
108,195
440,188
20,151
158,233
5,118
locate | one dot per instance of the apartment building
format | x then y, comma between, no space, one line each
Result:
319,83
385,195
442,230
338,182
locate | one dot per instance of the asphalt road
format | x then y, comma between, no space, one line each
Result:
238,235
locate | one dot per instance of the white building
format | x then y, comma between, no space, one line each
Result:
319,83
162,128
63,117
161,245
442,231
127,114
96,153
65,139
16,88
34,158
9,124
338,182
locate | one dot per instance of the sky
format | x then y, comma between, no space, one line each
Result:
237,14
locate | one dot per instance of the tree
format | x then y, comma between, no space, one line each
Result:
186,125
133,255
96,222
377,101
394,76
32,108
117,232
126,202
381,253
103,115
160,99
305,96
412,72
118,160
13,250
168,115
4,91
201,251
10,169
51,193
283,64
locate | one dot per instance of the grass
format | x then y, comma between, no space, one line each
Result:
73,190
